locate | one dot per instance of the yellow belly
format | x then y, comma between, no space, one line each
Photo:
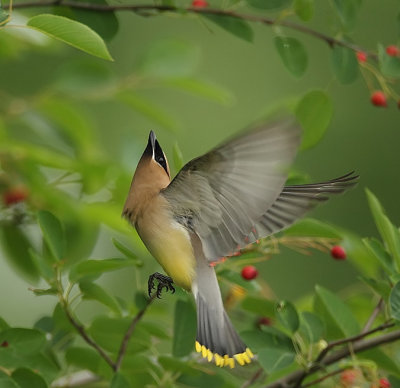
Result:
170,245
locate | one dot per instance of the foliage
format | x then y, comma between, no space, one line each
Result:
71,191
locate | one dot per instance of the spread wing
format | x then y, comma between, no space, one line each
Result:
294,201
221,195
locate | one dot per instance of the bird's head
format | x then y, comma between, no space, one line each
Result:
153,157
151,176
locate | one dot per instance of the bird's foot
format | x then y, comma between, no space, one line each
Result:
163,282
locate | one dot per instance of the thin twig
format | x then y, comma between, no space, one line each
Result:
129,332
253,378
373,316
156,9
322,378
354,338
81,330
294,379
124,343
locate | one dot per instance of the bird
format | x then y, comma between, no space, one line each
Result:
217,204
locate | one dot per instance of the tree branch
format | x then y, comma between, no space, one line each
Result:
129,332
373,316
124,343
253,378
322,378
294,379
151,10
81,330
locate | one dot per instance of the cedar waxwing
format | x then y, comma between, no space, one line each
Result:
217,204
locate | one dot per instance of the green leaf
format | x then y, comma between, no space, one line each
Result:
16,247
293,55
390,66
157,330
81,236
345,65
93,291
104,23
44,265
347,11
269,337
304,9
389,233
178,157
83,358
23,341
108,333
273,360
71,32
85,78
380,287
71,122
6,381
338,316
3,324
44,291
287,316
184,328
235,26
314,112
170,59
378,251
202,88
148,109
11,359
175,365
127,252
260,306
119,381
268,4
4,17
394,301
312,228
53,233
382,360
27,378
95,268
312,327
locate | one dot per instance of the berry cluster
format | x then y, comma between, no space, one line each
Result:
379,97
353,377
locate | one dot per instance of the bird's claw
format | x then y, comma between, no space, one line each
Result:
163,282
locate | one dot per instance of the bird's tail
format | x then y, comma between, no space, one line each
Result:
216,337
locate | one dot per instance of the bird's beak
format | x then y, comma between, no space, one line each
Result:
152,140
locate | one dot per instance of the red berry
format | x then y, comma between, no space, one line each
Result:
4,344
361,56
15,195
392,50
199,4
384,383
249,272
264,321
349,377
378,98
338,252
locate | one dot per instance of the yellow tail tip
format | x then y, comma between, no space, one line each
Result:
225,360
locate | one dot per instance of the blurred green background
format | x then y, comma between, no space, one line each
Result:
249,79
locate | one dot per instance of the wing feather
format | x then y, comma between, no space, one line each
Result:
295,201
226,191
